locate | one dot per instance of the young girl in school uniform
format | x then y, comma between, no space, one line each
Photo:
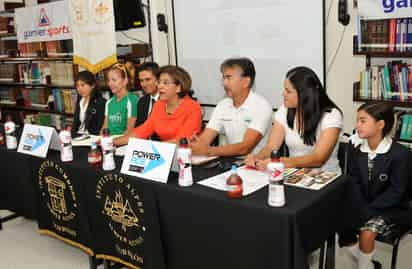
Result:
378,168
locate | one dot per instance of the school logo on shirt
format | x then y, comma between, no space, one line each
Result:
247,120
383,177
115,118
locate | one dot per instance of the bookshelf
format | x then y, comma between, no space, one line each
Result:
388,78
34,59
35,87
34,109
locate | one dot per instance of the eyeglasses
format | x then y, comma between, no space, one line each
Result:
166,82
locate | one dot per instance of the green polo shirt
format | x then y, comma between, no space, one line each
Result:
119,111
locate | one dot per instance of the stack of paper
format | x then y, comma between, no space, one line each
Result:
314,179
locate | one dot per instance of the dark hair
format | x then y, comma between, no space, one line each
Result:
313,102
88,78
180,76
245,64
380,111
149,66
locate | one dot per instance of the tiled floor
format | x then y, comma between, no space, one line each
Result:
22,247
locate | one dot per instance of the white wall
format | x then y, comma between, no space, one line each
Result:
341,75
346,67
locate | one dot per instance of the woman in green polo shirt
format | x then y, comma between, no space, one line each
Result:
121,109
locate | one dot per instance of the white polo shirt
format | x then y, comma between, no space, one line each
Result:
295,143
255,113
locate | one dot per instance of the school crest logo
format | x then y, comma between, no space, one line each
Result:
122,207
57,191
102,11
80,12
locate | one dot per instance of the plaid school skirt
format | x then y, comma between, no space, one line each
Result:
377,225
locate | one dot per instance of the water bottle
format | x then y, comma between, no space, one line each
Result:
108,151
1,139
66,149
94,157
234,184
10,130
276,196
184,158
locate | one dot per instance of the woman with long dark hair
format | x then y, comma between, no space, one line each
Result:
308,122
89,113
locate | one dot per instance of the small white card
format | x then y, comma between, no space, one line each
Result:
148,159
253,180
36,140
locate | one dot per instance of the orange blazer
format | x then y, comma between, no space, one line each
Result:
184,122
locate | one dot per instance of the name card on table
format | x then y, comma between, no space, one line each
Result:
148,159
36,140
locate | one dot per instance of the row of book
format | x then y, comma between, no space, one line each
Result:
57,48
60,73
385,35
64,100
57,100
392,81
43,118
405,128
47,119
6,25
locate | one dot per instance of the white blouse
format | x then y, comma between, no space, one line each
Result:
295,143
82,116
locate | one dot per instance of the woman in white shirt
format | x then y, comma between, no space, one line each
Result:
308,122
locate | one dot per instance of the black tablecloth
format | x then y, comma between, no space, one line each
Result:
202,228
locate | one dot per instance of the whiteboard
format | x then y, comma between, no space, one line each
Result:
275,34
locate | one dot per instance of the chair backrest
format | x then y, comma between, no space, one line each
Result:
410,181
343,154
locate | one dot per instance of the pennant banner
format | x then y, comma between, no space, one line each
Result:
385,9
45,22
94,37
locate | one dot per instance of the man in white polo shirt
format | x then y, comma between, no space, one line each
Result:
244,116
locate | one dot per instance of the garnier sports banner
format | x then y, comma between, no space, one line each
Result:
45,22
385,9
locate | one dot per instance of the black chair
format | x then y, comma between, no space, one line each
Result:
393,237
398,232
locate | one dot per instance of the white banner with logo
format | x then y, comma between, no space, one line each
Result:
36,140
43,22
385,9
94,37
148,159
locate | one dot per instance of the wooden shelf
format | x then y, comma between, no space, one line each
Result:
31,59
36,85
33,109
383,54
8,35
393,102
403,140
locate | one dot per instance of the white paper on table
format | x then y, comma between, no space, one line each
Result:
202,159
120,151
253,180
88,141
